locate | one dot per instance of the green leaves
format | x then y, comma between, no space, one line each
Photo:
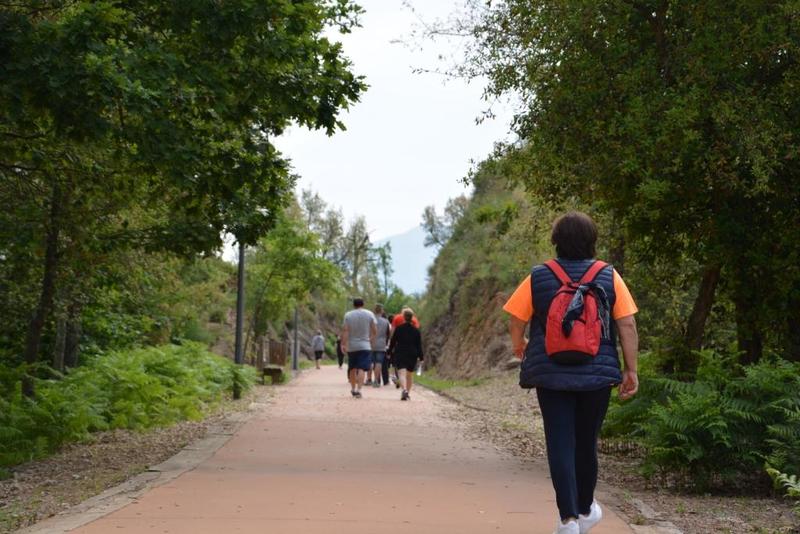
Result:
718,431
674,118
787,483
147,126
136,389
284,269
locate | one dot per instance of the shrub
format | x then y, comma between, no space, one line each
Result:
136,389
784,437
718,431
217,315
789,484
192,330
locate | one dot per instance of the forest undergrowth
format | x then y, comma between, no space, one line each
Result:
131,389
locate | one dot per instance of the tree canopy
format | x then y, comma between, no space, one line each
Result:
149,124
678,120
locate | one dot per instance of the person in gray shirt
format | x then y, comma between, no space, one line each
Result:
318,346
379,346
358,333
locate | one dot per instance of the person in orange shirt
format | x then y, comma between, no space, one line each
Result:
573,397
398,318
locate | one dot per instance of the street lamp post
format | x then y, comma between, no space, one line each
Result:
294,348
239,353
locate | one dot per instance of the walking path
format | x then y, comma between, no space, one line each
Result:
318,461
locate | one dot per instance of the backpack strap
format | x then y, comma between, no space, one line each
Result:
559,272
593,271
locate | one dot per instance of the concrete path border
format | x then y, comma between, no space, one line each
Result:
123,494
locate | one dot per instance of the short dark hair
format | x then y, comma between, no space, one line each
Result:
408,315
575,236
358,302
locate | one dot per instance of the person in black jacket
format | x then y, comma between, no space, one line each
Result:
406,350
339,351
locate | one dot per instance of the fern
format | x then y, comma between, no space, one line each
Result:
790,484
719,430
135,389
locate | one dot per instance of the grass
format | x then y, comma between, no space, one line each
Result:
11,518
309,364
513,425
430,380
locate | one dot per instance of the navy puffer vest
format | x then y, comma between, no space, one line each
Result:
537,369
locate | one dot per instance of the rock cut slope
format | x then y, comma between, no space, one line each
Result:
491,250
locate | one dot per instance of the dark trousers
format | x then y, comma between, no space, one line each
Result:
572,421
385,371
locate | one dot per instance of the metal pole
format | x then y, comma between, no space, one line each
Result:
294,349
238,355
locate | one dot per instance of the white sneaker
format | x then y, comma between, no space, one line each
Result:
570,528
586,522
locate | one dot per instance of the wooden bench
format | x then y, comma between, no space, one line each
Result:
274,363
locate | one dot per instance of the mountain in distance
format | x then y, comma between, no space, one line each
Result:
410,259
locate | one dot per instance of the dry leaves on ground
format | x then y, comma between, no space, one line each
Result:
498,409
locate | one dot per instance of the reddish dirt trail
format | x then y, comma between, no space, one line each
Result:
318,461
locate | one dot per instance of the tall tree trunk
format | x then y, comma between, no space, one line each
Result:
793,331
682,361
696,326
60,344
356,265
73,339
748,333
33,338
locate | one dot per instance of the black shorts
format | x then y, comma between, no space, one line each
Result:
318,354
408,364
360,359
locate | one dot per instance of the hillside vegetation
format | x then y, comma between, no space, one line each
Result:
675,126
717,429
492,246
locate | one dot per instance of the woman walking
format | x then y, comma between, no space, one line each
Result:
339,351
406,350
318,346
572,368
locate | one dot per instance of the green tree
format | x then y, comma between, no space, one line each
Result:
327,222
366,268
285,269
676,119
439,229
382,265
163,109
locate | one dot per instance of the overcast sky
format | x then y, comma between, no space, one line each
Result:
410,139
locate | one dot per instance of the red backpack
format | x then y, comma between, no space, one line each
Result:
578,317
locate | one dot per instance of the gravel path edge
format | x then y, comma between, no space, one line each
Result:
123,494
607,494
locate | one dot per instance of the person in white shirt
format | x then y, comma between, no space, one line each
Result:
358,333
318,346
379,346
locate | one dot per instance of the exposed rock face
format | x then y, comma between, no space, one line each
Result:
472,338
